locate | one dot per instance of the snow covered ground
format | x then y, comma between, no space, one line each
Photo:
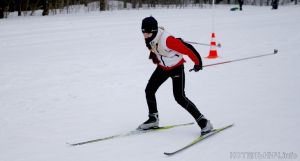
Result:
70,78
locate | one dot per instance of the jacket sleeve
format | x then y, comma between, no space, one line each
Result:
184,48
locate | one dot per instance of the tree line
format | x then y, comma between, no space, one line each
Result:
28,7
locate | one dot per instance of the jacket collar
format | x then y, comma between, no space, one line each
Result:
160,32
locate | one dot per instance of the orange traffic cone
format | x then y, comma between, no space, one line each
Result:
213,49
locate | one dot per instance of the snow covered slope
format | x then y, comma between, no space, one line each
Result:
69,78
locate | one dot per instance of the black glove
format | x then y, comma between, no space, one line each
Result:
198,67
154,58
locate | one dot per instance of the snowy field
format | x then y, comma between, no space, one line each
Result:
70,78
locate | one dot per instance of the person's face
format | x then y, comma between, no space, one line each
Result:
147,35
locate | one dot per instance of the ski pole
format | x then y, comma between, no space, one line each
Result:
241,59
204,44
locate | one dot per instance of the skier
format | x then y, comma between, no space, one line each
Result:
241,2
167,53
274,4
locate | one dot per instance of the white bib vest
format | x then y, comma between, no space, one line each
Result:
166,56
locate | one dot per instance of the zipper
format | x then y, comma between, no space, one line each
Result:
161,57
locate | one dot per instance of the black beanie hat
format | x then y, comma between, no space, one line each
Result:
149,25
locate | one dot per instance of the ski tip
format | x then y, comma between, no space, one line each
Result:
72,144
168,154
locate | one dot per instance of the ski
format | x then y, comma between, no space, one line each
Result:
133,132
197,140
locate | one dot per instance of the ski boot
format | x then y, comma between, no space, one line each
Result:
205,125
151,123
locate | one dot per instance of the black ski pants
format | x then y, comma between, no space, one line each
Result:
158,77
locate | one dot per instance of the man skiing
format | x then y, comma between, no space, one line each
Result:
241,2
167,52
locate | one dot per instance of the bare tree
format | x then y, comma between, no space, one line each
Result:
45,8
34,6
25,6
103,5
125,3
3,6
134,3
1,12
